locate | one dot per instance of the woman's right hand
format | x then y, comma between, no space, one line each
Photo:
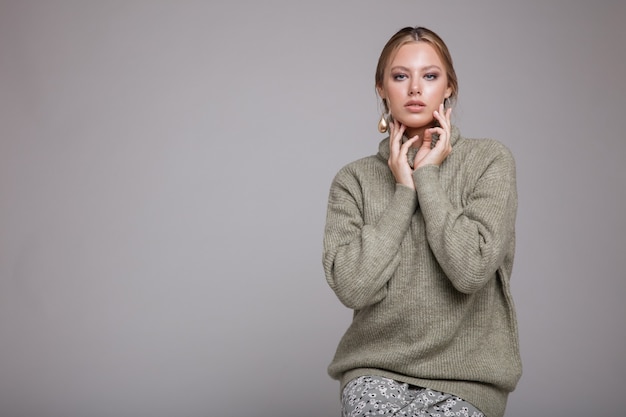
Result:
398,151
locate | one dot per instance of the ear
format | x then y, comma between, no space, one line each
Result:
448,92
381,91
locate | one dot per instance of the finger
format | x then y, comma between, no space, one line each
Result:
442,117
442,132
448,117
403,148
400,128
393,128
443,144
444,122
443,139
409,142
428,140
398,131
395,138
447,126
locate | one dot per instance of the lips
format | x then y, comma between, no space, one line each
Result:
415,105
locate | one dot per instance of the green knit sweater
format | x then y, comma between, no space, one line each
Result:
427,272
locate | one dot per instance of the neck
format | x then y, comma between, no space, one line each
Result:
412,131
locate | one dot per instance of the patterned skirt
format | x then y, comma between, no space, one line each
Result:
379,396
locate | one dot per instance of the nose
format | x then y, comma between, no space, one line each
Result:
415,88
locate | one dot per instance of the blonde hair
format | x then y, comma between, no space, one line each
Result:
417,34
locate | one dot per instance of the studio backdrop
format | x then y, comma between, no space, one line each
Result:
164,174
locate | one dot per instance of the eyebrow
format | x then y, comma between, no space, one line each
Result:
426,68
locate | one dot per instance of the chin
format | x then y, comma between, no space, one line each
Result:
416,123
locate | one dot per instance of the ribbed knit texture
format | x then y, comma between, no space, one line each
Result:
427,272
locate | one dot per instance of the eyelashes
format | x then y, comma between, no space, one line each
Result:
402,77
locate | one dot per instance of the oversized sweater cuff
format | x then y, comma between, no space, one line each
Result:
433,200
429,189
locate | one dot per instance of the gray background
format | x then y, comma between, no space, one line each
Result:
164,170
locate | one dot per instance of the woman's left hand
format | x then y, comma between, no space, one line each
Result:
435,155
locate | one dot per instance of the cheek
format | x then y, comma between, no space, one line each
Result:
395,96
440,90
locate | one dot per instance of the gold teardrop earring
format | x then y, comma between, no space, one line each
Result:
383,123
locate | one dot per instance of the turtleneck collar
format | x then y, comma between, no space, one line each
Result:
383,147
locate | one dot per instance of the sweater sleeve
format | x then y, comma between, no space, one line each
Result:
471,242
360,258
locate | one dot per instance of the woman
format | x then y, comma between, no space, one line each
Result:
419,242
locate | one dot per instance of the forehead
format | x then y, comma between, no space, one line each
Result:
415,54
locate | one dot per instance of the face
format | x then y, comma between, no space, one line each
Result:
414,85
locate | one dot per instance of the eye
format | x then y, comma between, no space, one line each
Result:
399,77
431,76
